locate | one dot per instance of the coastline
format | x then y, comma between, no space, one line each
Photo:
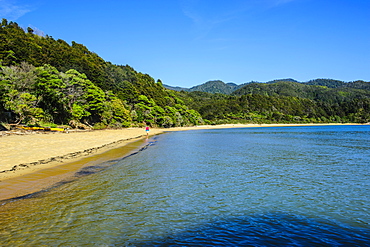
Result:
30,163
23,154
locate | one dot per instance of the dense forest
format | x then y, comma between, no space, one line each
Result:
286,101
44,81
210,87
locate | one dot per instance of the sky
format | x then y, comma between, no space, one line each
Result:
189,42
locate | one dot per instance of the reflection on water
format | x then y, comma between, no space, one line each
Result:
261,186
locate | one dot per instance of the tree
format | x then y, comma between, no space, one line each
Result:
30,30
24,105
82,97
48,89
115,114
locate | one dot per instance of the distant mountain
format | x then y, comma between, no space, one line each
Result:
176,88
215,86
278,87
320,89
218,86
358,85
326,83
279,80
339,84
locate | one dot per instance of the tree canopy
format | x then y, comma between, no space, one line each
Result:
48,80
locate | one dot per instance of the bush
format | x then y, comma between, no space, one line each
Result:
99,126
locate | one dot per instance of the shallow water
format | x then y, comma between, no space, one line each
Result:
291,186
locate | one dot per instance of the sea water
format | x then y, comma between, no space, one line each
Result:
287,186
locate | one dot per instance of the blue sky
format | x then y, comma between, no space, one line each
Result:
188,42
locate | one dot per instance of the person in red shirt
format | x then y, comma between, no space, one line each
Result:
147,131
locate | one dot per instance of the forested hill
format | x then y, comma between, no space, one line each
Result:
215,87
322,90
44,80
218,86
316,101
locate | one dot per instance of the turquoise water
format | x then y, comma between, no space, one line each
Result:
290,186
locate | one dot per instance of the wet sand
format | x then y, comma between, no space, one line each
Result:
22,154
30,163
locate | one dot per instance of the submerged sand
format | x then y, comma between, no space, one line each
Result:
23,154
29,163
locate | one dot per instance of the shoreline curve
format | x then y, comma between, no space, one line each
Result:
27,171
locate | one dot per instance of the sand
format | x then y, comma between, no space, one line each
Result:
21,154
31,162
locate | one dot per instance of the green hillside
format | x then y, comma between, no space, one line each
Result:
288,101
215,87
336,93
43,80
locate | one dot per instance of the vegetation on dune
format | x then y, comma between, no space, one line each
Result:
43,80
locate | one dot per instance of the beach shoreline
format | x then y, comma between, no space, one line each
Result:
29,156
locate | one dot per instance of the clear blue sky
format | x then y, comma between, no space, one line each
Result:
188,42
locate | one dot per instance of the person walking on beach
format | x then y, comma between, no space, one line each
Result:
147,131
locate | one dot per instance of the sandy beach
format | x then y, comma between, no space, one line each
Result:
24,159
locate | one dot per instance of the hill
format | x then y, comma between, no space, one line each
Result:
318,90
218,86
326,83
174,88
215,86
279,80
286,101
43,80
